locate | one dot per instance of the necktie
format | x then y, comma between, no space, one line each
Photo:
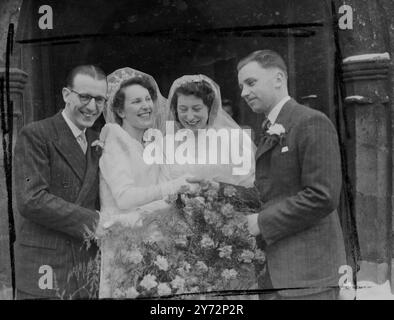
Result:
266,125
82,142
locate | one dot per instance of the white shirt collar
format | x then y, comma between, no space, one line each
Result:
75,130
273,115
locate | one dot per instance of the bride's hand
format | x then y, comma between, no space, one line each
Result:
175,186
193,179
196,183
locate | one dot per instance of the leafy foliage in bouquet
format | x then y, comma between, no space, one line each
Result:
201,245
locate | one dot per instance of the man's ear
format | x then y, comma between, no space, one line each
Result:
65,93
280,79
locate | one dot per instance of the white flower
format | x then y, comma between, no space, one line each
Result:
211,194
215,185
201,200
193,189
178,282
229,274
260,256
184,268
201,266
194,290
207,242
149,282
228,230
229,191
246,256
163,289
134,257
132,293
276,129
162,263
225,252
227,210
191,281
188,209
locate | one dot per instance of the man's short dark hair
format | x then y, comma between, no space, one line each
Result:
266,59
89,70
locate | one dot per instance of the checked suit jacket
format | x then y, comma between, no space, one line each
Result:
299,180
56,188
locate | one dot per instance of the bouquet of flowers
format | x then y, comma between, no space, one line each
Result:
200,246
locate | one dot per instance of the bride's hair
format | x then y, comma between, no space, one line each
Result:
200,89
119,98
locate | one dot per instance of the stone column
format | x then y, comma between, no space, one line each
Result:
366,83
369,124
18,79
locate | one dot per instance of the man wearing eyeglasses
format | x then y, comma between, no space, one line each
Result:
56,178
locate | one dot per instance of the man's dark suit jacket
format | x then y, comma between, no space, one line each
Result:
56,187
301,188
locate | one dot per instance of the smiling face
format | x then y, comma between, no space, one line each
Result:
138,107
258,86
84,115
192,112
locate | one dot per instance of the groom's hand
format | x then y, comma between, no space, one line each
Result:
192,179
195,183
253,225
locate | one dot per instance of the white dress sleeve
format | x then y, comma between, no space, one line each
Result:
119,164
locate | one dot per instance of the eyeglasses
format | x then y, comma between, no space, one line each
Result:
86,98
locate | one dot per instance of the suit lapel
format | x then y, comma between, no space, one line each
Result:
266,144
68,146
93,156
285,119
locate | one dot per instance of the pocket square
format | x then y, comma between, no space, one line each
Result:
284,149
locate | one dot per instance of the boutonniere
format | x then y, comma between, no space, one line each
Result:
279,131
276,129
98,144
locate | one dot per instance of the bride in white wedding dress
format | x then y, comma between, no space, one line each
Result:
194,105
127,183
